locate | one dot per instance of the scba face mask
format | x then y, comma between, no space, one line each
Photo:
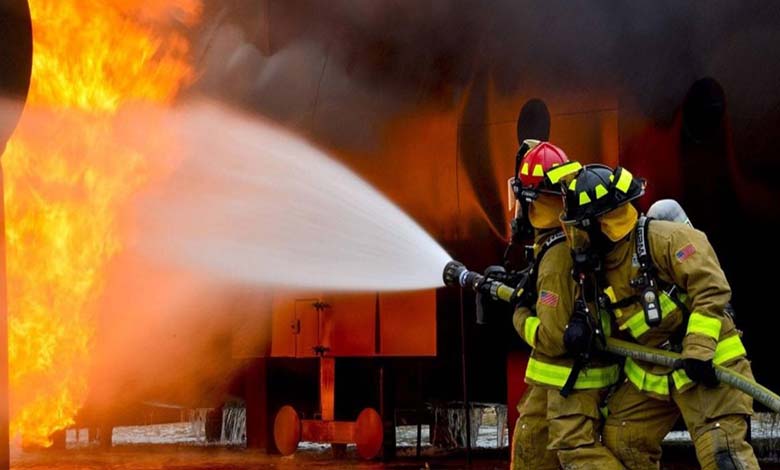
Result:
587,259
586,235
577,236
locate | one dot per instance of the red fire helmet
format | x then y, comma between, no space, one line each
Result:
537,162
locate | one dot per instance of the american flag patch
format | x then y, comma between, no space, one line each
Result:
685,252
548,298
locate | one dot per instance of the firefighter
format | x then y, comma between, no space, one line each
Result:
665,288
553,431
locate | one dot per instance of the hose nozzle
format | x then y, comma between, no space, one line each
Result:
453,272
456,274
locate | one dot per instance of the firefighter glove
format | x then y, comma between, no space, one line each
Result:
699,371
578,335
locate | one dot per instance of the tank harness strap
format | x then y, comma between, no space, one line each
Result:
647,275
642,249
646,263
550,242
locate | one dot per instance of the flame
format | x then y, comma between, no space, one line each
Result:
67,177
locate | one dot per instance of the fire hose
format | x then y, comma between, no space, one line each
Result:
455,273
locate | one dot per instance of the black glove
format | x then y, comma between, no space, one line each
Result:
699,371
578,336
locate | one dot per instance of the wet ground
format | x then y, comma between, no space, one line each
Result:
197,458
155,458
179,446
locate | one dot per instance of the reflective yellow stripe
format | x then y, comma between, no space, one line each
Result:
556,376
646,381
624,182
601,191
636,322
606,324
704,325
555,174
667,304
529,330
584,198
538,170
573,184
680,378
524,169
610,293
729,349
613,298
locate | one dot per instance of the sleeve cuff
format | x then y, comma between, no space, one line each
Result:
696,346
518,319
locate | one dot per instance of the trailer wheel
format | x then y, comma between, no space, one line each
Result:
287,430
368,433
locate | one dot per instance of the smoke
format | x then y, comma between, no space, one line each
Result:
341,75
172,336
430,51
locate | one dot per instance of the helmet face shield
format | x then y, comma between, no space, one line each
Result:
576,236
511,194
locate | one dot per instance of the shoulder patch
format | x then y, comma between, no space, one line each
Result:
548,298
685,252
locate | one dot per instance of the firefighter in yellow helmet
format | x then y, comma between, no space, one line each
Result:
665,288
552,430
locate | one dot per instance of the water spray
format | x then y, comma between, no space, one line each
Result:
276,211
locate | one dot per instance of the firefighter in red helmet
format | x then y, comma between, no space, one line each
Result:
553,431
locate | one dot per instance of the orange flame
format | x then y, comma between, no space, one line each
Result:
67,177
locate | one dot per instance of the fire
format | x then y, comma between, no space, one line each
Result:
67,177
